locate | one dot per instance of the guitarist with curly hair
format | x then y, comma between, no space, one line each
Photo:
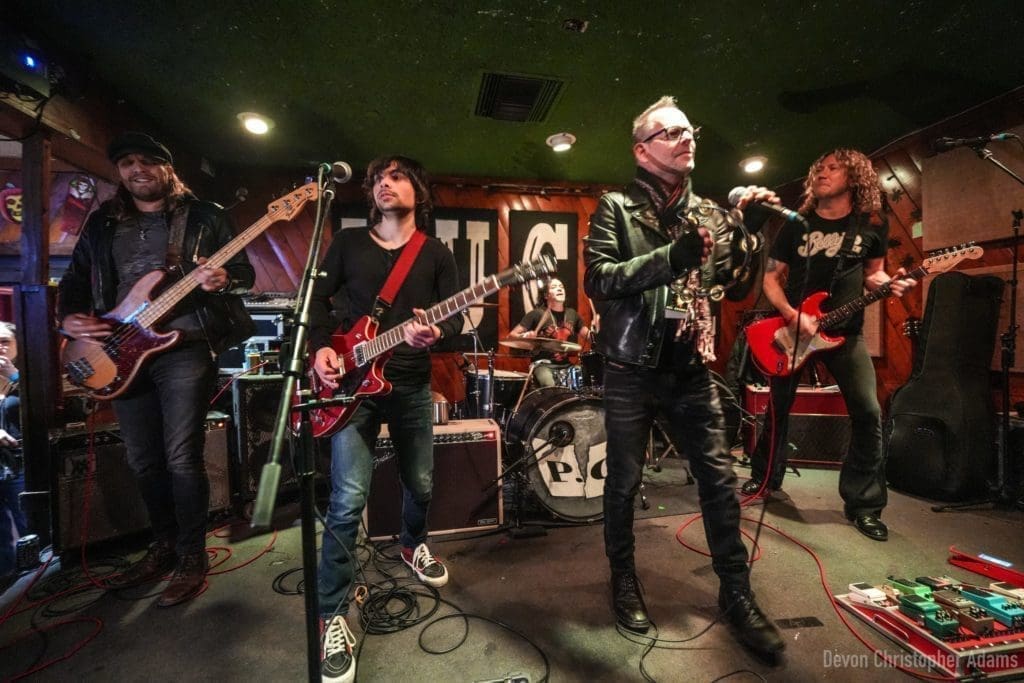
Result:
841,251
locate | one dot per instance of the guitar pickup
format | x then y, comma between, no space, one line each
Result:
80,370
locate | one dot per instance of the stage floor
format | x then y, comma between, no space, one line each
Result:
535,606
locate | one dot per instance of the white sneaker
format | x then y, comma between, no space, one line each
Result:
427,568
337,652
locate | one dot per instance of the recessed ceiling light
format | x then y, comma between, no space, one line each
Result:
753,164
257,124
561,142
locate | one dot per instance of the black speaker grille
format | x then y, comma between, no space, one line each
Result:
255,401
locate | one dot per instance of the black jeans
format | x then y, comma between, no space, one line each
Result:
163,419
862,478
693,420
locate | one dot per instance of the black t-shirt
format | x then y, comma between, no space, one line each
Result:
817,250
564,325
356,268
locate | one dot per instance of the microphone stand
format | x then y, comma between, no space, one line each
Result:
302,452
1000,492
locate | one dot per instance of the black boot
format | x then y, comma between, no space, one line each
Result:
628,603
749,623
157,561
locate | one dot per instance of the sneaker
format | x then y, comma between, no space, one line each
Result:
337,653
427,568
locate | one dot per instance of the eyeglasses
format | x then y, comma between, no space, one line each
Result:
673,134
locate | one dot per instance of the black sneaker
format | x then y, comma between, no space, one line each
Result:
337,652
749,623
425,566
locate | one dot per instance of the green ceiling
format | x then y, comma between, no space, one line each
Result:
349,81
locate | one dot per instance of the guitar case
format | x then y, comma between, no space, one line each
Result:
940,436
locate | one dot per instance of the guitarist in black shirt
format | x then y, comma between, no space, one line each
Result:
356,266
842,251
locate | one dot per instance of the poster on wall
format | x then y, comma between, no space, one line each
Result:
73,196
472,236
531,234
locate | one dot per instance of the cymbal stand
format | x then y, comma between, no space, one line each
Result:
653,460
518,470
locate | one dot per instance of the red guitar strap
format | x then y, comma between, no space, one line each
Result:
398,273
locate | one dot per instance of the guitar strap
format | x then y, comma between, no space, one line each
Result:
398,273
176,236
846,249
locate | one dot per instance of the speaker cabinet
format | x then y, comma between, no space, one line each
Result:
467,457
819,429
255,399
115,505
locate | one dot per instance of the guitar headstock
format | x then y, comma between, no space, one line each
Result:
287,207
542,266
946,259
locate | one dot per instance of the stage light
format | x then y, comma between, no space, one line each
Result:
257,124
561,142
753,164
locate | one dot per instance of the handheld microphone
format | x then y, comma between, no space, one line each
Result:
339,171
736,193
946,144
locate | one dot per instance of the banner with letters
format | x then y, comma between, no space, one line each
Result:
532,233
472,236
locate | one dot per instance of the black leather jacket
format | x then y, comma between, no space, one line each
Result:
628,271
90,283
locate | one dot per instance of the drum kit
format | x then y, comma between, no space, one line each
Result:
554,436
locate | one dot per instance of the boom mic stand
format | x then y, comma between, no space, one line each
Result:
302,452
1001,495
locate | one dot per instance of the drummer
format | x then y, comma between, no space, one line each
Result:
553,320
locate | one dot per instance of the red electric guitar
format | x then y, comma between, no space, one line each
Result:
362,353
105,368
771,339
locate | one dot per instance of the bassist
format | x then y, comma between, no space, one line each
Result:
154,221
356,266
842,251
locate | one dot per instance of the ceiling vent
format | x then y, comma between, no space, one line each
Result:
515,97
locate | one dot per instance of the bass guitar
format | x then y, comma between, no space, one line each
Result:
105,368
362,353
771,339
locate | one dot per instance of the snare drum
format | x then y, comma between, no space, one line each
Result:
564,434
508,384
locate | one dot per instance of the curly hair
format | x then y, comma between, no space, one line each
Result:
860,175
417,176
122,205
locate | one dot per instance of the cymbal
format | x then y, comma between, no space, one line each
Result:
484,304
541,344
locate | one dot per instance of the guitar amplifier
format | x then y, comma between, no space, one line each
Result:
819,428
467,457
115,504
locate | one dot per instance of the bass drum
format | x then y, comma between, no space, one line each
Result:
563,433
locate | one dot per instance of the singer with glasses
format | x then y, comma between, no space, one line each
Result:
841,250
642,241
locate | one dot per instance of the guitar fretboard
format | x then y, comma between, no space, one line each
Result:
435,314
152,313
838,315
